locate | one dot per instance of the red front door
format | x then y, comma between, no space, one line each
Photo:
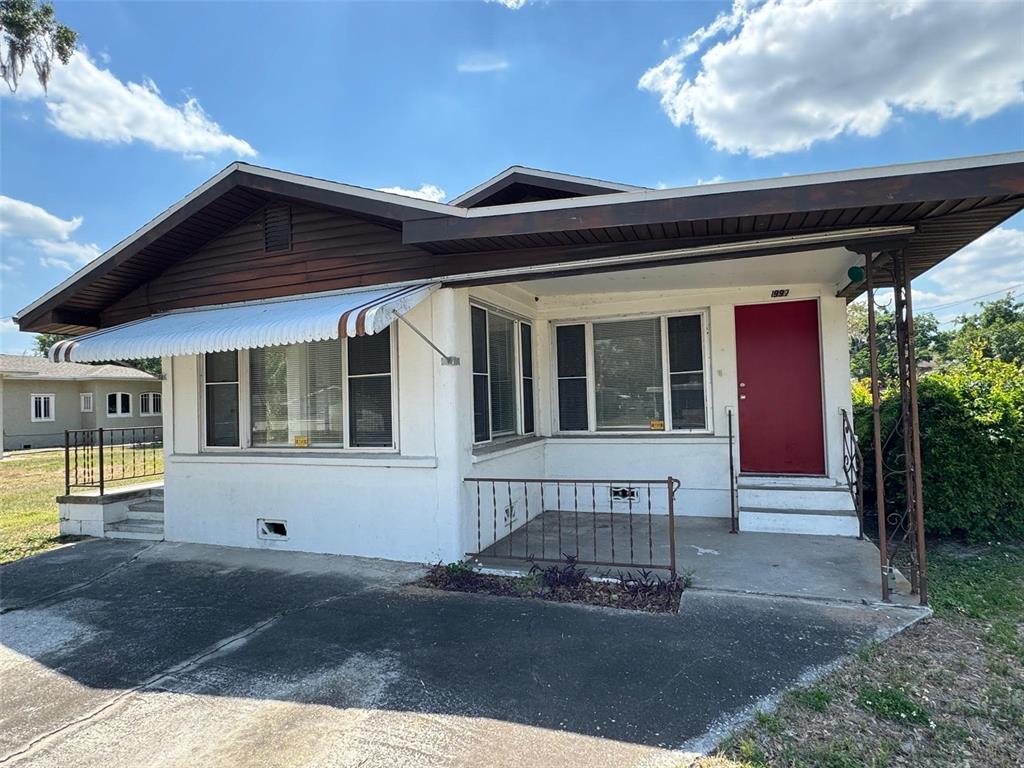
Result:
779,366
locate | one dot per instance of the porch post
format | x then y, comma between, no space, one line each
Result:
876,419
914,482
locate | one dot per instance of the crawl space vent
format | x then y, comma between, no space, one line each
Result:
271,529
625,493
277,228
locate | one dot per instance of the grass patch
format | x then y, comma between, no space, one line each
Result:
816,699
955,682
892,704
30,482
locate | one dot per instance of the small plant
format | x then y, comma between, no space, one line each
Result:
892,704
816,699
869,651
768,723
567,575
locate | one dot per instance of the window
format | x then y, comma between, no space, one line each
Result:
503,402
321,394
634,375
119,404
369,390
221,391
43,407
149,404
85,398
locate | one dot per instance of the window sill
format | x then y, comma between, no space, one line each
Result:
634,437
505,446
305,458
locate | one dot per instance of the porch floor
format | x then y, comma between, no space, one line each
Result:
794,565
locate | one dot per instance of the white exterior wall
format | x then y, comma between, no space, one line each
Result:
414,504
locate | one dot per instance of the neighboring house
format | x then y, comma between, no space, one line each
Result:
41,399
338,361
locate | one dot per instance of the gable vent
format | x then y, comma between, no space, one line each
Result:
277,228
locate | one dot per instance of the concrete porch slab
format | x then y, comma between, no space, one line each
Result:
836,568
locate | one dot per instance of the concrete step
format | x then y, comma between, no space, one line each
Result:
137,514
149,505
150,530
786,481
796,497
817,522
157,493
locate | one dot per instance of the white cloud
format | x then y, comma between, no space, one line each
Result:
21,219
988,267
480,63
426,192
788,73
716,179
43,231
514,5
88,102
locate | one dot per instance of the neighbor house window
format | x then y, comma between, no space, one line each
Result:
632,375
320,394
221,391
86,401
502,375
149,404
119,404
44,407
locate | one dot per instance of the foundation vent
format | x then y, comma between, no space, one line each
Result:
271,529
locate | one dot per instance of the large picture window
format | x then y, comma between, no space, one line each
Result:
503,399
321,394
632,375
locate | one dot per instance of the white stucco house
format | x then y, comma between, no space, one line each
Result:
341,364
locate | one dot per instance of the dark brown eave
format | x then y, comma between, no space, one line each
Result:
520,184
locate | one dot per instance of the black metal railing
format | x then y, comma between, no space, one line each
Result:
734,507
853,468
97,458
610,523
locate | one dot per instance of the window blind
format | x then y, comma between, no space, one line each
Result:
628,375
481,385
501,353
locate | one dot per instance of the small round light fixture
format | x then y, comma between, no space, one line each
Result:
856,274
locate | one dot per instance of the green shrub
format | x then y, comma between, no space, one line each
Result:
972,448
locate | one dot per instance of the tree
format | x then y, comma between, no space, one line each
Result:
930,342
997,330
148,364
30,32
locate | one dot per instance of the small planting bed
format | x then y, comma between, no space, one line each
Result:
564,583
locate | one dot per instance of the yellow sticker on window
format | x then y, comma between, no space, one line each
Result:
301,441
657,424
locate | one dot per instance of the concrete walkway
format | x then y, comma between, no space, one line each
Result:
123,654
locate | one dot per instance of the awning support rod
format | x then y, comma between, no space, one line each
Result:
445,359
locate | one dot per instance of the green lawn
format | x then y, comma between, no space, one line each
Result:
949,691
29,484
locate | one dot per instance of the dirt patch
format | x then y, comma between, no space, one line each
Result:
564,583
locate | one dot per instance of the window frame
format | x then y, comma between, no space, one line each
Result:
82,396
518,321
119,414
49,397
245,411
666,375
147,397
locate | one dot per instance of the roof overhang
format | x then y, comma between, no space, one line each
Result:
246,325
566,184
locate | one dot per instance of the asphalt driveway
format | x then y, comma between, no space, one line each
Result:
120,653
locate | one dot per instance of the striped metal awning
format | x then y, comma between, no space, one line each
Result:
246,326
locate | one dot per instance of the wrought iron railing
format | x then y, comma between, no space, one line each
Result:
734,507
97,458
609,523
853,468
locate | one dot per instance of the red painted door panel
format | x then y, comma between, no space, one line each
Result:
779,364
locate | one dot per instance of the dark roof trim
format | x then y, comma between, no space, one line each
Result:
638,209
563,182
372,203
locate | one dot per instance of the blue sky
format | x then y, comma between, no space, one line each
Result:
163,95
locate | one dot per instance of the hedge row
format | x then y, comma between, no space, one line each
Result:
972,448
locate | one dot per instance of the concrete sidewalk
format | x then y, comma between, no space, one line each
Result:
116,654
